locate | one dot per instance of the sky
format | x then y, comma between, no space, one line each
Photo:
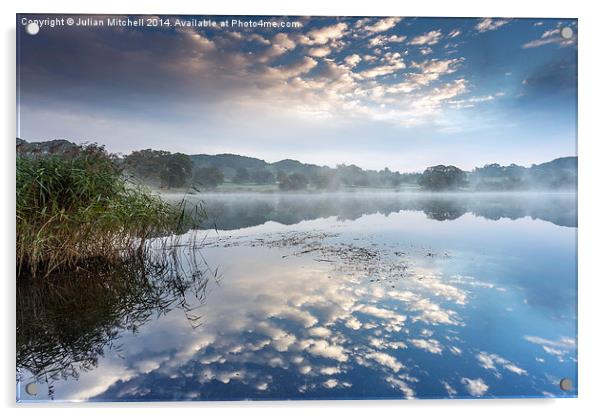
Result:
403,93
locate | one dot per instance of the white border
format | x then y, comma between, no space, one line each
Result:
590,164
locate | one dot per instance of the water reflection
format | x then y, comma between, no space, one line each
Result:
229,212
301,328
65,324
389,305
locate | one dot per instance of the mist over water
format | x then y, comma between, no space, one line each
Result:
231,211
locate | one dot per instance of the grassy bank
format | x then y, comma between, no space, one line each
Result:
75,211
230,188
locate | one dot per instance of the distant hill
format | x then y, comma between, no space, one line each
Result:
227,160
48,147
557,174
229,164
562,163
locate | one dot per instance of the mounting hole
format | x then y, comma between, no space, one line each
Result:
31,389
566,33
32,28
566,384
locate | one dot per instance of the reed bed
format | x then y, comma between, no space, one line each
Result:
77,212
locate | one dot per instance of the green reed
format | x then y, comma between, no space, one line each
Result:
76,211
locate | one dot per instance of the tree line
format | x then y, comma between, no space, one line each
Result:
167,170
176,170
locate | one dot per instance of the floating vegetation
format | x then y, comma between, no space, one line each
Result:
373,263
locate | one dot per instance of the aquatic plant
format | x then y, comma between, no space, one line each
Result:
75,210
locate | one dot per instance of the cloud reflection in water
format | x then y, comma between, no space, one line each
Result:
305,313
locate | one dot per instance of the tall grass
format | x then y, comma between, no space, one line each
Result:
76,211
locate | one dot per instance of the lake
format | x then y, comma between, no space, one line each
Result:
327,296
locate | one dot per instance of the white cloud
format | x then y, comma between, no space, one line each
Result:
430,71
304,369
401,385
396,345
305,88
382,25
261,386
382,313
282,40
432,282
353,323
370,58
227,376
377,40
377,343
297,359
283,343
353,60
438,66
320,52
451,392
325,34
491,361
385,360
470,102
454,33
201,43
330,383
303,66
320,332
382,40
396,38
476,387
430,38
276,362
146,366
488,23
560,349
551,37
211,358
432,313
431,345
255,37
322,348
383,69
329,371
455,350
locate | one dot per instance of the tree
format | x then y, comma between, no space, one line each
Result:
208,177
352,175
281,176
145,164
169,169
440,178
176,170
262,176
294,182
443,209
242,175
327,179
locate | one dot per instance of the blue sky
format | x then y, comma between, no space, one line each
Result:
404,93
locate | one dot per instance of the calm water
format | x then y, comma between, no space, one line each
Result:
332,296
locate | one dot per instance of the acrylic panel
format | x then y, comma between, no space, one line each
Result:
289,207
